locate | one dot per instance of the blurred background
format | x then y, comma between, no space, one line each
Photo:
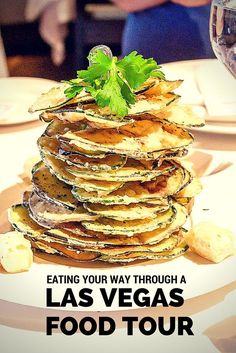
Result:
34,32
51,38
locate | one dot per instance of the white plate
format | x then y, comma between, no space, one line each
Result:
213,127
208,84
185,70
17,94
217,128
216,203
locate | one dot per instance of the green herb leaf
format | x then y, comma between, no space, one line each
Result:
126,92
110,95
113,82
73,90
102,65
136,70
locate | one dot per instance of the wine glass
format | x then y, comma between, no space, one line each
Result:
223,32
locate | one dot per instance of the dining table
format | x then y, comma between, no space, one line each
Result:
210,302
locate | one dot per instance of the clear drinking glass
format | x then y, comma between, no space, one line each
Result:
223,32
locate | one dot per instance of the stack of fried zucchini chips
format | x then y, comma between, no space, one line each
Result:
108,188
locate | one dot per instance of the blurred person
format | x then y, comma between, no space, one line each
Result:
167,30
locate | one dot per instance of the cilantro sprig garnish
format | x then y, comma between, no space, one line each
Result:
112,82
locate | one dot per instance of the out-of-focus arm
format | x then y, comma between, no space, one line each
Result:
137,5
191,3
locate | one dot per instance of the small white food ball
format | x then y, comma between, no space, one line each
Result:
211,241
15,252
